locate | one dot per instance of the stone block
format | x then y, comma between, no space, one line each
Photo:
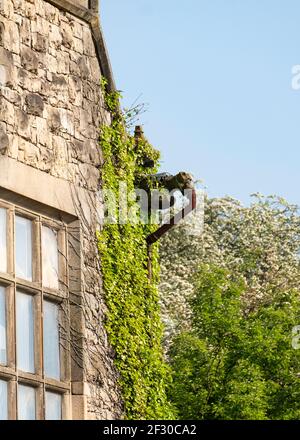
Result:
40,25
30,10
34,104
78,45
51,13
55,37
7,111
29,81
39,42
67,35
4,140
43,136
28,153
53,120
7,69
9,36
84,67
10,95
76,28
22,125
75,90
29,59
63,63
25,31
13,147
7,9
51,63
67,121
88,44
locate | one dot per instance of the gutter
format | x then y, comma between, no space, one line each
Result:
162,230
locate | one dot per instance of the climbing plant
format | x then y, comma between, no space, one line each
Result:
133,318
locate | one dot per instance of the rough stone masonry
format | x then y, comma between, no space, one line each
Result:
51,109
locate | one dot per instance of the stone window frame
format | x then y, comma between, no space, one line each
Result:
11,283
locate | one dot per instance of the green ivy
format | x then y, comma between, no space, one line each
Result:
133,319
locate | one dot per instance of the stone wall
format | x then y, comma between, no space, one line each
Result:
51,109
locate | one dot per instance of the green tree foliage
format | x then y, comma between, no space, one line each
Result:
236,364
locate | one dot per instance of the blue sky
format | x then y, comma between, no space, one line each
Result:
217,77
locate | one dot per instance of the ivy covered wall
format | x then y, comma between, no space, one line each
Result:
133,319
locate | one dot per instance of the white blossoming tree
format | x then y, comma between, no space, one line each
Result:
259,243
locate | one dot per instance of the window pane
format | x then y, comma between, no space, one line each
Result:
24,248
2,326
3,251
51,340
25,332
53,406
3,400
50,258
26,403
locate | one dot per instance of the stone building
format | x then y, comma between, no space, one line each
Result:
55,359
